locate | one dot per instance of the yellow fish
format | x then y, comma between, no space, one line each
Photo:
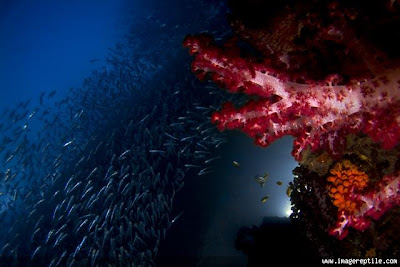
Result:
279,183
289,191
236,164
264,199
363,157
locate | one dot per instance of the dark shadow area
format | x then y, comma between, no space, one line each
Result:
275,242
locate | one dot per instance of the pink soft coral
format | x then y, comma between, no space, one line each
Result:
318,114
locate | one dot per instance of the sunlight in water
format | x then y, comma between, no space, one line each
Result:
288,209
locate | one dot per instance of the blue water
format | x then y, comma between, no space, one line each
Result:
77,48
48,45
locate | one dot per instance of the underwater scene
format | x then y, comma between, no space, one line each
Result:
199,133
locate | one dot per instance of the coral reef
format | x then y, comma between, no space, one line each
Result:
357,208
328,74
345,178
314,213
318,113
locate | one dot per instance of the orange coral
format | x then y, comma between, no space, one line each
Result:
345,178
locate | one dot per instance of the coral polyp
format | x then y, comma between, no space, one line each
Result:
345,177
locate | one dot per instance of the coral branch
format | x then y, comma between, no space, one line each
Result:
319,114
374,204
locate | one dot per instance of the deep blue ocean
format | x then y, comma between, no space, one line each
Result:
107,152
